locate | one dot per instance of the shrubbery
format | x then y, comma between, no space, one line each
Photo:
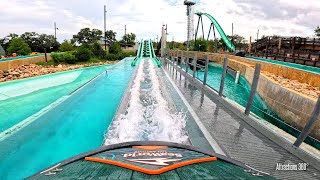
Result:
113,57
69,58
19,46
63,57
66,46
83,54
115,48
97,50
57,57
87,51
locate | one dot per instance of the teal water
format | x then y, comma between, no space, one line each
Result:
23,98
293,65
76,125
240,94
21,57
236,92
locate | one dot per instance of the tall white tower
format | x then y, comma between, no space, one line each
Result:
190,13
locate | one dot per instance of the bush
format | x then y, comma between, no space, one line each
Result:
201,45
69,58
113,57
83,54
97,50
128,54
57,58
18,46
110,57
66,46
63,57
115,48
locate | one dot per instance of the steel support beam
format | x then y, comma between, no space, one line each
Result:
223,78
310,124
253,88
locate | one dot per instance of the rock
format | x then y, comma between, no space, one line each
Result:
15,74
1,75
59,66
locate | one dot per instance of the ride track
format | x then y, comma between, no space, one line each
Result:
214,24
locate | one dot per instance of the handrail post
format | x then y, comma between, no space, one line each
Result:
176,66
310,124
187,62
182,59
253,88
194,64
206,70
224,73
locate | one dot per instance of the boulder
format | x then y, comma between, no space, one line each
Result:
15,73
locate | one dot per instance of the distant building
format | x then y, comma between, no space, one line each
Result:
127,47
102,43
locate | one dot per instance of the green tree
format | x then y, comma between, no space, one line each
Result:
5,42
129,38
201,45
18,46
32,39
115,48
66,46
97,50
38,42
238,41
87,36
317,31
83,54
49,42
111,36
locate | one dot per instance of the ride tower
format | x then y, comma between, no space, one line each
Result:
190,12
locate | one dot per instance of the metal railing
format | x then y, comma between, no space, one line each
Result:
173,66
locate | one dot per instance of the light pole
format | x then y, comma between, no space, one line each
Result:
105,27
232,34
258,35
55,31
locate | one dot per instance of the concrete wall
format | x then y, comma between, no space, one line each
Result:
293,107
6,65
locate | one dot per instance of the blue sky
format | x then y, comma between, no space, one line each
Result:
145,17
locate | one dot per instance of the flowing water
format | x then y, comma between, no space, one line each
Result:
148,116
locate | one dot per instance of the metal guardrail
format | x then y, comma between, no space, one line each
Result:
173,65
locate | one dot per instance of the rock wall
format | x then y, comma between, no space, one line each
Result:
6,65
293,107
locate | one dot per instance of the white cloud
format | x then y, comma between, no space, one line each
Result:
145,17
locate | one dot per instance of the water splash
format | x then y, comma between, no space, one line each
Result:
148,116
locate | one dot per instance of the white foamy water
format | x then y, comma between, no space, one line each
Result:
148,117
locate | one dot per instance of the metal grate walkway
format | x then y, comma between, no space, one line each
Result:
239,140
